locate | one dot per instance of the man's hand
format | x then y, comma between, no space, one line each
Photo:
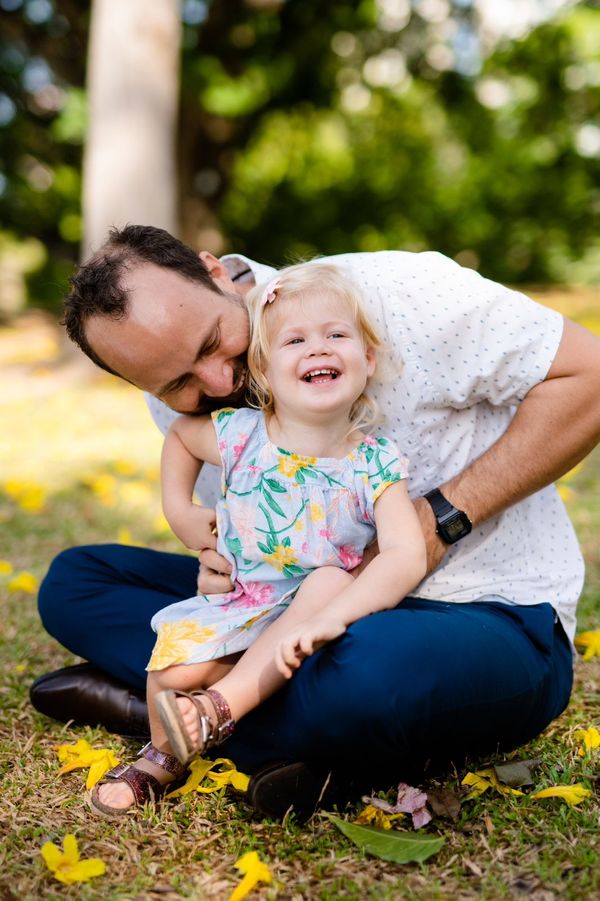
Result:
195,526
436,549
213,577
304,640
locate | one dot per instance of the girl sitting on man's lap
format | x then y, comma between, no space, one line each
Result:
305,490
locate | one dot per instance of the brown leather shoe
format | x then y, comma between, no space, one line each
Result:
300,787
90,697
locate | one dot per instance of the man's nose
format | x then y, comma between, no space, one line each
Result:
216,378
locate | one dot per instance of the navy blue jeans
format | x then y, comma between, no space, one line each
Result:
427,679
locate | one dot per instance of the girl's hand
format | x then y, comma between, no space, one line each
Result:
304,640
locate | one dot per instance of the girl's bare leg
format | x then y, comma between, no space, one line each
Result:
186,678
255,676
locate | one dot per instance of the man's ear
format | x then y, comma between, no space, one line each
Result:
217,270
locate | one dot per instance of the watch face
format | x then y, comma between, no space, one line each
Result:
455,527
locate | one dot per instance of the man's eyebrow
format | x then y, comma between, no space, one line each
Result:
206,342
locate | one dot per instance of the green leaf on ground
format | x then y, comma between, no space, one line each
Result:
399,847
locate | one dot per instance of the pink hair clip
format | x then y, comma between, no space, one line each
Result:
270,292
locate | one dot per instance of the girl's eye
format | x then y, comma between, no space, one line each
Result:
295,341
336,335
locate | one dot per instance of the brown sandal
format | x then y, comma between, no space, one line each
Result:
179,738
145,786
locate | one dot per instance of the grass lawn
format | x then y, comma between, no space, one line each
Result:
78,464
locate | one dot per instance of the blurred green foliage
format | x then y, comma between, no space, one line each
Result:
322,128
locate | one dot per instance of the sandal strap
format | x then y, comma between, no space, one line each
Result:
145,786
225,721
165,761
211,735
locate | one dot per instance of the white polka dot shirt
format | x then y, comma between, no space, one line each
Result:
470,351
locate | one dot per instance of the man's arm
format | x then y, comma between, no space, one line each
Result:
556,425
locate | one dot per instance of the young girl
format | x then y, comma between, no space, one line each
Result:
305,490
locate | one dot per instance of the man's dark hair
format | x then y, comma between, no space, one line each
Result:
96,287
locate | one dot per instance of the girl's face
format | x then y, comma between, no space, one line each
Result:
318,363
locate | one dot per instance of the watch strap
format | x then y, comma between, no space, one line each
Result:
440,505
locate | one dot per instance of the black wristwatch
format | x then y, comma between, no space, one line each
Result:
452,524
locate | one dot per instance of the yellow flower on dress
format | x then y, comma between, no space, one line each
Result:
281,556
66,865
172,643
288,465
317,514
381,488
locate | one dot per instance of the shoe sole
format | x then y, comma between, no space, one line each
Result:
172,722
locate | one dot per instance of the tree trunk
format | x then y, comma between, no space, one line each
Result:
133,87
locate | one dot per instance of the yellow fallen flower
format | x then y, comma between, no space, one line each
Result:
124,467
482,780
373,816
33,500
254,871
6,568
590,739
571,794
589,643
124,536
67,866
24,581
82,755
228,774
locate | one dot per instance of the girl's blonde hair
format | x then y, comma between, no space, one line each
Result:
293,284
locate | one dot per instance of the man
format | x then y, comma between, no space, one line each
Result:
497,398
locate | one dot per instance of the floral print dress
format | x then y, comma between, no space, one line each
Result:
281,516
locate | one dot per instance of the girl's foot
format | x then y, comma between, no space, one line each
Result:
194,721
132,785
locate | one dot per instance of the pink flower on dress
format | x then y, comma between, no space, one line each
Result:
252,594
253,469
305,547
222,446
368,439
326,533
239,447
349,556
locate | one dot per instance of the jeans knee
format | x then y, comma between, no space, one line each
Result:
54,589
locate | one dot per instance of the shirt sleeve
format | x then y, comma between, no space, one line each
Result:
472,338
234,428
385,465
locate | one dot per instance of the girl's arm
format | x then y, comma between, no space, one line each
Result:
400,565
190,442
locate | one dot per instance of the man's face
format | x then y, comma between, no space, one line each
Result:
180,341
